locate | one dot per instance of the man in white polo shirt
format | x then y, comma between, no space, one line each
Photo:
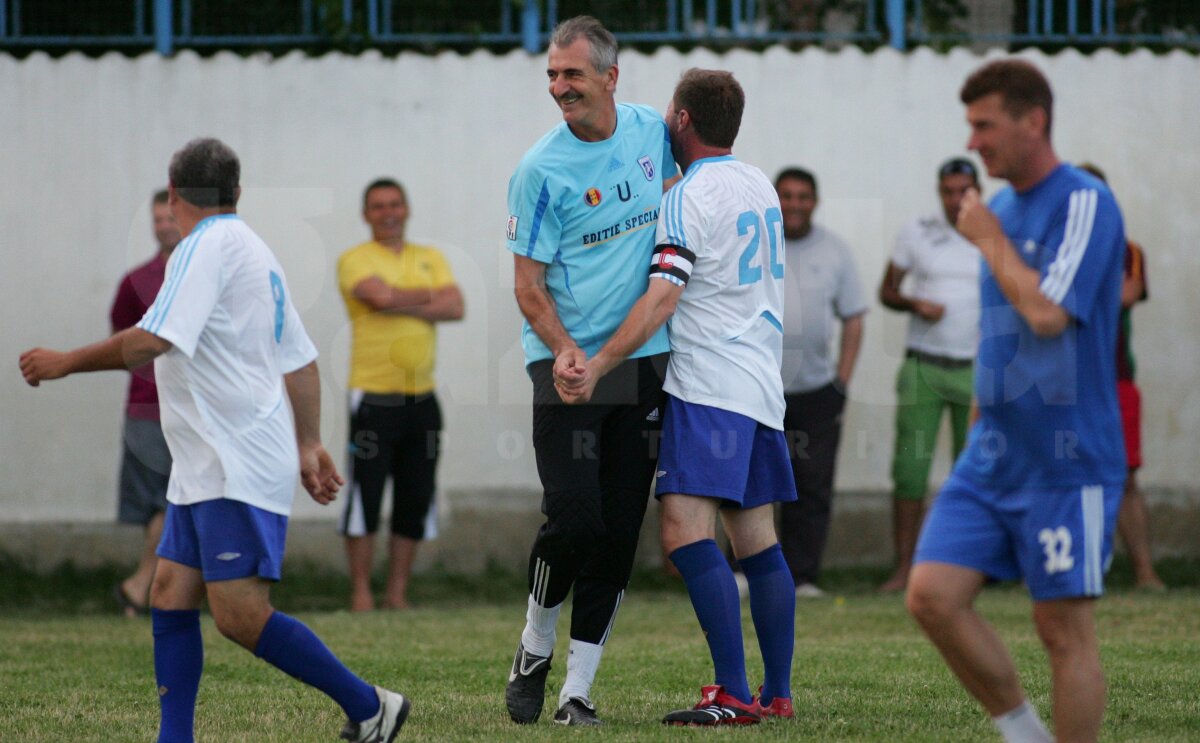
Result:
227,344
942,295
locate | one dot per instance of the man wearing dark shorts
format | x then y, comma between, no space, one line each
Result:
145,459
395,292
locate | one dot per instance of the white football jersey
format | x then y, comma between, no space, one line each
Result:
225,308
720,232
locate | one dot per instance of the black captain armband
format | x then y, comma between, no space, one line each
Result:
672,263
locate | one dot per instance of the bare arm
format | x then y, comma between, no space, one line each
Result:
317,471
128,349
1132,289
577,382
431,305
646,316
538,306
1019,283
852,333
890,296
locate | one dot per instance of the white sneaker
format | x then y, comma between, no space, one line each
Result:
385,725
809,591
743,585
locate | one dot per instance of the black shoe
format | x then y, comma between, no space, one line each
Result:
526,690
715,708
577,711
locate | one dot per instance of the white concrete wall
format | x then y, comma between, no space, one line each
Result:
84,142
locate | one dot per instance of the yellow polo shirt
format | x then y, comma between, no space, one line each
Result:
391,353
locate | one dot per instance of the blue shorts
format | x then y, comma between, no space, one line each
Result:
1058,539
716,453
225,539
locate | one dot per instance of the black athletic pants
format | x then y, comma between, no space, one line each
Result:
596,462
813,426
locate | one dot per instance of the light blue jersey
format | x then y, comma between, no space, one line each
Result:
589,211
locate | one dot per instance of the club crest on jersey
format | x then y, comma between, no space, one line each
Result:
512,227
592,197
647,166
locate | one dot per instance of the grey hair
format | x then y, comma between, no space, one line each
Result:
206,173
602,44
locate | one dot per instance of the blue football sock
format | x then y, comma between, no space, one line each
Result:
293,648
773,609
714,596
178,662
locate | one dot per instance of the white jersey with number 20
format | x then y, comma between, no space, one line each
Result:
720,233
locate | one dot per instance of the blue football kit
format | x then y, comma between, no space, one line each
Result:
1036,491
589,211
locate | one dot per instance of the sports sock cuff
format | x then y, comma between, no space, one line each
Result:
582,663
275,635
163,621
697,557
762,563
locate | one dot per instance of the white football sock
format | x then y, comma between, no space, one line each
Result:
539,635
582,663
1022,725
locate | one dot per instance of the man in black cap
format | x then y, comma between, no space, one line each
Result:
942,295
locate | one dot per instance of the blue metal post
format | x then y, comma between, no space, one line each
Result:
306,16
3,19
139,17
531,22
1033,16
372,19
711,17
735,17
387,17
1072,17
1111,12
163,15
1096,28
688,16
896,23
348,13
672,16
1048,17
506,17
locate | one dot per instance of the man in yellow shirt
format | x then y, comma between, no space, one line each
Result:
394,292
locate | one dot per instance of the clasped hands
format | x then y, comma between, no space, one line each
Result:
574,378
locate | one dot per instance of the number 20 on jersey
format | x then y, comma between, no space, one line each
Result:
751,263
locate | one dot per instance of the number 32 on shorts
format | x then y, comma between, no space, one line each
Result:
1056,543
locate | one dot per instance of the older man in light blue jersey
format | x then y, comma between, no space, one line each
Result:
583,207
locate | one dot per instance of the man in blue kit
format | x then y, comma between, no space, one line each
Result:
583,208
1036,492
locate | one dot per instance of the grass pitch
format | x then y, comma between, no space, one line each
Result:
862,671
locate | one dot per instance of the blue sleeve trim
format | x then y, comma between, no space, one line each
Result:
673,210
168,291
773,320
538,214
